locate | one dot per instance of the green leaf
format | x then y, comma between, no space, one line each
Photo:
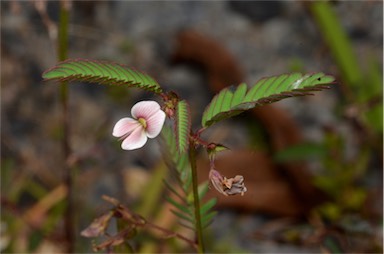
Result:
239,95
101,72
187,225
179,162
202,189
183,216
207,206
207,219
182,125
267,90
173,190
179,206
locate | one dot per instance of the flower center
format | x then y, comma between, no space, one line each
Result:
143,122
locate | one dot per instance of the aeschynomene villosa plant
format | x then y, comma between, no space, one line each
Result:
147,121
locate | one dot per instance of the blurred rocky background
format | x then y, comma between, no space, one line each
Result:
312,166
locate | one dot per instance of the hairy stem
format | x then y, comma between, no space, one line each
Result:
62,48
196,201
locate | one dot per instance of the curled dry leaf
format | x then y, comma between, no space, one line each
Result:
98,226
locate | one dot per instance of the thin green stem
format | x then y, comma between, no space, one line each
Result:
62,49
196,201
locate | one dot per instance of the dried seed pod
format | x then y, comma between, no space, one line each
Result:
230,186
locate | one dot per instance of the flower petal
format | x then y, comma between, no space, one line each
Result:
125,126
236,185
217,181
135,140
155,124
145,109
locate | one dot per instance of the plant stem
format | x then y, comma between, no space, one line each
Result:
124,228
196,201
62,49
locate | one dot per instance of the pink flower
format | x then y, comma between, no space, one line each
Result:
147,122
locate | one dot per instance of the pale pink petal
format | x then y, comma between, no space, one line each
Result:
155,124
145,109
135,140
125,126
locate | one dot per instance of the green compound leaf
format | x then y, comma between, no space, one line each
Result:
101,72
182,125
267,90
181,187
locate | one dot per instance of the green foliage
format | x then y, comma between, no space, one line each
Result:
337,39
267,90
182,125
339,177
181,188
364,87
101,72
339,173
303,151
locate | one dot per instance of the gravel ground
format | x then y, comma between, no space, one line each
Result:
267,38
